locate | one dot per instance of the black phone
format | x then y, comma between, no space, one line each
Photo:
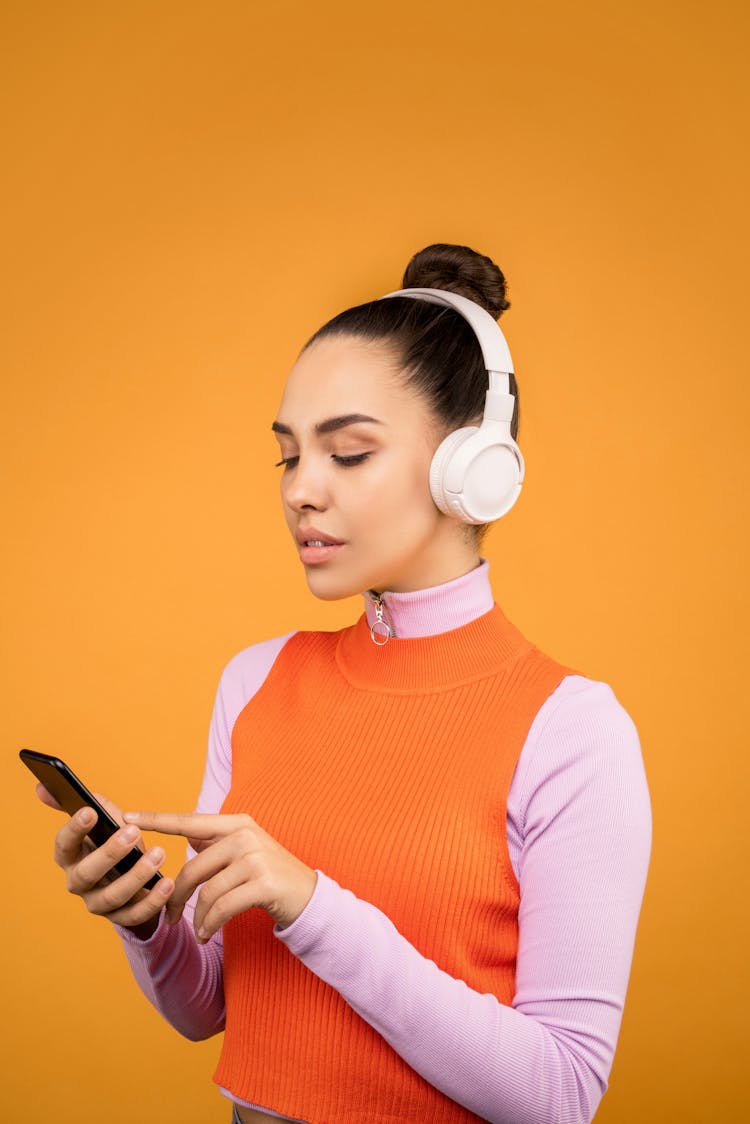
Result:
72,794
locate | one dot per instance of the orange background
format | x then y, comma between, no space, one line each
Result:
189,191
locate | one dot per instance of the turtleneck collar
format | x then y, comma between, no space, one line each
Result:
427,612
443,636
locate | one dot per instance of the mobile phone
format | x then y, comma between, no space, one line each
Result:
72,794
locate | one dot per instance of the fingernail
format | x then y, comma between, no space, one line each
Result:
128,834
85,816
166,887
131,817
156,854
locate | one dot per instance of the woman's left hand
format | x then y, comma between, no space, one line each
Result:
239,865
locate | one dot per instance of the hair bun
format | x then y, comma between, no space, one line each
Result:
458,269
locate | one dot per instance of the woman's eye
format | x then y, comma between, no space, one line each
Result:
356,458
345,462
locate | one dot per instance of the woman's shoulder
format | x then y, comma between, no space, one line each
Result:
580,702
242,677
252,664
581,735
245,672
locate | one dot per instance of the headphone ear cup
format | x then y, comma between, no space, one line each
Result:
438,466
492,478
476,473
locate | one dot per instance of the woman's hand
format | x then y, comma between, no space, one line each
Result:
121,898
239,865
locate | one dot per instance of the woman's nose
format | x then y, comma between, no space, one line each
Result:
305,485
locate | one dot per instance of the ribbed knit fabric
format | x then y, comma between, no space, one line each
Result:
388,768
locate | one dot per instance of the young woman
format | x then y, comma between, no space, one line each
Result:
418,857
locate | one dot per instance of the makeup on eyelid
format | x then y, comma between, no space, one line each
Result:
346,460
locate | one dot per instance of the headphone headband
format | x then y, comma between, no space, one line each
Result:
477,471
495,350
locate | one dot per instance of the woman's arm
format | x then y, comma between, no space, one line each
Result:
182,979
583,811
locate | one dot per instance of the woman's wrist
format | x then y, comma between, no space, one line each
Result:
145,930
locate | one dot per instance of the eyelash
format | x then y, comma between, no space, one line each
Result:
345,462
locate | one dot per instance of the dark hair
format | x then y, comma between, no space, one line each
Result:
436,348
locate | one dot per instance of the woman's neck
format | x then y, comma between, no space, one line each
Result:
439,608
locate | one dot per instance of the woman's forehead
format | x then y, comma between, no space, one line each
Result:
341,377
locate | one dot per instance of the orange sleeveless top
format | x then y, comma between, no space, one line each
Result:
388,768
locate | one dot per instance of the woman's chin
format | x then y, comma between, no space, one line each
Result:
329,586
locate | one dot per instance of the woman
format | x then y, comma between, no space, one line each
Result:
417,862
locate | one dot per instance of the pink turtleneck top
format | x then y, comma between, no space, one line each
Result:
579,835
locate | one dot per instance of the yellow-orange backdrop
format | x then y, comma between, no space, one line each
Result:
189,191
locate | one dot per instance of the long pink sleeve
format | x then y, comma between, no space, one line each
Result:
579,832
181,978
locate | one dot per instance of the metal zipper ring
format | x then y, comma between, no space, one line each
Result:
380,638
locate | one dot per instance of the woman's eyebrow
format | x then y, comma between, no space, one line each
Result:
330,424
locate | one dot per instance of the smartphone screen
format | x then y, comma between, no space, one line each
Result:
72,794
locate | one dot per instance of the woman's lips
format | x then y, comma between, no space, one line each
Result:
312,555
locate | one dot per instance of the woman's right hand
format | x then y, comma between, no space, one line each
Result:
121,898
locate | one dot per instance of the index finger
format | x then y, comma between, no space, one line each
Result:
70,837
195,825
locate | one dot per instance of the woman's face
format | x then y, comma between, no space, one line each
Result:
358,445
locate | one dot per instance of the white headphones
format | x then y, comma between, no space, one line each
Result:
477,471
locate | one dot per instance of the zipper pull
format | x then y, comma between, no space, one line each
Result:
380,630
